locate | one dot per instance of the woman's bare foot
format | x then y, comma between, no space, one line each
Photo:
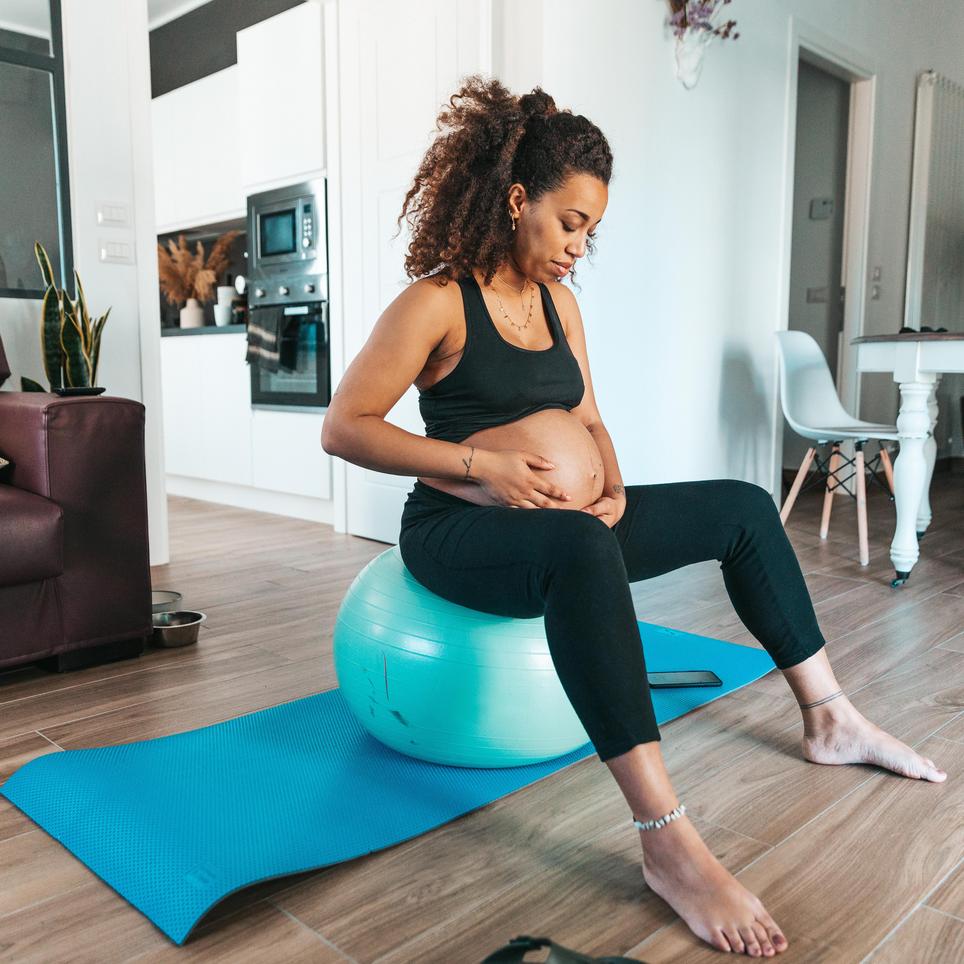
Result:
838,733
715,906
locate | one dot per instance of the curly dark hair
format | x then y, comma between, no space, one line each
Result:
490,139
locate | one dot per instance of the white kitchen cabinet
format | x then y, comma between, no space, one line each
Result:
196,146
212,433
281,98
207,407
225,423
287,454
181,388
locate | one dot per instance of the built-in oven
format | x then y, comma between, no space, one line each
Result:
302,374
287,291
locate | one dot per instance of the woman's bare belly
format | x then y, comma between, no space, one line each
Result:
556,435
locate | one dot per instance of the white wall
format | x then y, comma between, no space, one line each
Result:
684,295
107,71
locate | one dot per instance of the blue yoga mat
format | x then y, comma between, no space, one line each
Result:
178,823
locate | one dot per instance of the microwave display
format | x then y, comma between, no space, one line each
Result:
277,234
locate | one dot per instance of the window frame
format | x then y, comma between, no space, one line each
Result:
53,64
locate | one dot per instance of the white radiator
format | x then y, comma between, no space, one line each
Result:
935,248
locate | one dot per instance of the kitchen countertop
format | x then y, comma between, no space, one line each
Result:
204,330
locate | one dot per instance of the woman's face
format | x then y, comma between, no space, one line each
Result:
551,232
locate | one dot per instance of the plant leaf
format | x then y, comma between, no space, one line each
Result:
83,316
29,385
95,352
45,267
50,325
76,360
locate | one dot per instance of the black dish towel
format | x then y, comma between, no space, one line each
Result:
264,338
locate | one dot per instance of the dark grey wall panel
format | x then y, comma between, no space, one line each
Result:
203,41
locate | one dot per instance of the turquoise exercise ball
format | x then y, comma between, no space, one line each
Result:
444,683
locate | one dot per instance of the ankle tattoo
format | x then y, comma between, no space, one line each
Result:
826,699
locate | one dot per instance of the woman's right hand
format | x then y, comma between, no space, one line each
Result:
512,478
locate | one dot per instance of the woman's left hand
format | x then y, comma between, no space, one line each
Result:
608,509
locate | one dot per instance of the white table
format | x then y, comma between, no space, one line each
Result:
916,360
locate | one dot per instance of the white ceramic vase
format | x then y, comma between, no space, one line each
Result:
192,314
689,56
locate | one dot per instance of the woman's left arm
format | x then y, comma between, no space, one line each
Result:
612,503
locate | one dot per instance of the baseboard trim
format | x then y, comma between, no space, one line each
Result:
948,465
246,497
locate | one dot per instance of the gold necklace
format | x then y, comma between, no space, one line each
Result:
531,287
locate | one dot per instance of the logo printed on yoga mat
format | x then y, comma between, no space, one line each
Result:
201,877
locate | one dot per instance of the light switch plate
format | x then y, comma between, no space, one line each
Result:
115,252
818,296
113,214
821,208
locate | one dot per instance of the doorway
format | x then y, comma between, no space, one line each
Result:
819,195
830,94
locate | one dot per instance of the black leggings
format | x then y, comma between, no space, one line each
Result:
572,568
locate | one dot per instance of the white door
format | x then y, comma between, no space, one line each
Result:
399,62
819,204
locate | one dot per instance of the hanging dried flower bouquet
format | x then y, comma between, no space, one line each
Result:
693,26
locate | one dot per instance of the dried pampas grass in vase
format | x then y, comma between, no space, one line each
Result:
188,278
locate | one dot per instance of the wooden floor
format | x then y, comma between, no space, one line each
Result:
854,863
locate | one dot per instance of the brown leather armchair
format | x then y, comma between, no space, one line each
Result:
75,581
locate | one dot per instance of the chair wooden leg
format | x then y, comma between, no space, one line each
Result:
797,483
828,495
888,468
862,509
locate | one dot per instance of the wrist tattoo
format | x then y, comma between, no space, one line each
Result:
468,462
826,699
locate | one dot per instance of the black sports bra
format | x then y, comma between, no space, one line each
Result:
496,382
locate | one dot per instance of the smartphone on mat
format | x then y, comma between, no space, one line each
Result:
687,677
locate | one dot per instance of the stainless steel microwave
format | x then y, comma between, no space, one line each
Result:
287,234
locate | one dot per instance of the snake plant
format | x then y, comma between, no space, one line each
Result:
69,337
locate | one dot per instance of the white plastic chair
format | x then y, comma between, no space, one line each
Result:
812,409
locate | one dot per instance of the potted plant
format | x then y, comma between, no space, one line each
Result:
189,279
693,27
69,337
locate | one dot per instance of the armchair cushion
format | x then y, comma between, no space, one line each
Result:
32,537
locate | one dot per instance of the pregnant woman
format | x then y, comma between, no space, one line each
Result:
504,203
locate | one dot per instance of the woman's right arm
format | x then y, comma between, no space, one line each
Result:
397,349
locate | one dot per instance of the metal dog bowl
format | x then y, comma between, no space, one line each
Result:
177,628
165,600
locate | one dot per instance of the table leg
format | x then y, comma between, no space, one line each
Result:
910,473
930,457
